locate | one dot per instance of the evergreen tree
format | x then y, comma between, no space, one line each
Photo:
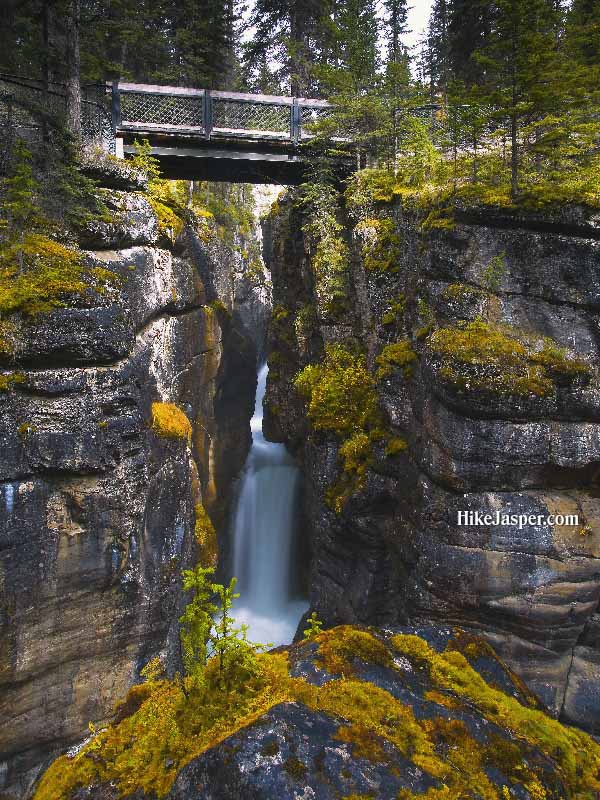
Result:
288,32
469,25
521,65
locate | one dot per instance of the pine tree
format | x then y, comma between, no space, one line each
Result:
468,27
521,66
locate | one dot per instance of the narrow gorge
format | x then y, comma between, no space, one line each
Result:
447,366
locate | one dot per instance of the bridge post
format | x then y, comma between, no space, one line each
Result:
207,115
295,122
116,106
116,118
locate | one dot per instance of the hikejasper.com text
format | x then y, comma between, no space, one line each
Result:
480,518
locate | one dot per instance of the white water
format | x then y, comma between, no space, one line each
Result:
263,536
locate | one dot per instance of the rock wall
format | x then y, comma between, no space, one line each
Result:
97,509
512,425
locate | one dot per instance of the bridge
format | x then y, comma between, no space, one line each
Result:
197,134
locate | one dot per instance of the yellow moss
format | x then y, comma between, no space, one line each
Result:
477,355
364,742
395,446
38,274
169,224
170,421
397,356
338,646
26,428
381,244
10,380
577,758
206,537
165,724
341,398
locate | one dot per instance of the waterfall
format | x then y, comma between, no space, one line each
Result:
263,530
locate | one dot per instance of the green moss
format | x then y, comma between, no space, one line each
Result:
339,646
341,398
171,422
10,380
38,274
395,311
381,248
463,292
219,307
206,537
397,356
169,223
502,360
26,428
340,392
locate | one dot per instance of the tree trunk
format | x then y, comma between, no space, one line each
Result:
73,69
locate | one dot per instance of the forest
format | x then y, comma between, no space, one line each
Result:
501,96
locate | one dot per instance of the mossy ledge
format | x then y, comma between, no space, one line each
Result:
517,750
503,360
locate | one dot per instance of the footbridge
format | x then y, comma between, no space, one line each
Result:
197,134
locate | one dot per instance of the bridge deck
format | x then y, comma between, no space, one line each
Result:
211,135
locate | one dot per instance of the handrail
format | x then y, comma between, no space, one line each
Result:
175,109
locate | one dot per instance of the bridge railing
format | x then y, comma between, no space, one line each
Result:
141,108
29,110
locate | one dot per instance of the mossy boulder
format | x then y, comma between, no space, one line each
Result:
351,712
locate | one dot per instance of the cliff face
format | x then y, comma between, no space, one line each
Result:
488,413
98,508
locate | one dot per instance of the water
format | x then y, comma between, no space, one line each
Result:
263,533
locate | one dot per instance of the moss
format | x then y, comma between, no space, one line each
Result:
26,428
450,671
341,398
502,360
363,741
166,724
295,768
395,446
339,646
395,311
38,274
397,356
10,380
169,223
219,307
103,424
9,337
170,421
206,537
381,248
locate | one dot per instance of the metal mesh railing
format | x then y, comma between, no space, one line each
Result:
308,116
140,109
30,111
246,116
